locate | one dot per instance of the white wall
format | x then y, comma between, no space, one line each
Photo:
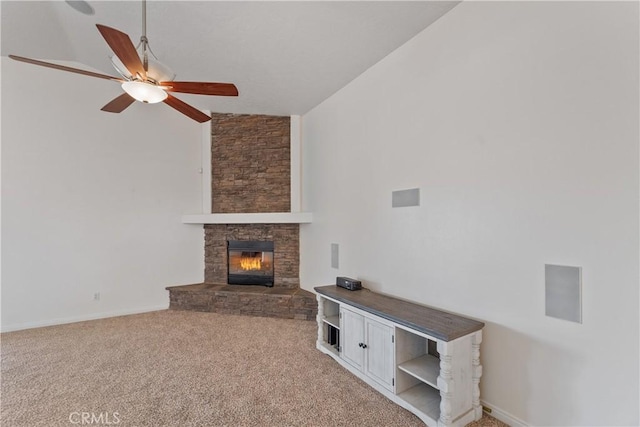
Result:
91,201
519,123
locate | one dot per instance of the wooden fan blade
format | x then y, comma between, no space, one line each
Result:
118,104
202,88
64,68
124,49
187,109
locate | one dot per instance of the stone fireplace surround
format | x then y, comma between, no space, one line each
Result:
250,173
285,238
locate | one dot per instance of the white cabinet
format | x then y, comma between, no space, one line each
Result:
352,327
379,354
425,360
367,345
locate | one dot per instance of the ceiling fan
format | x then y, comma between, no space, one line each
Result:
144,78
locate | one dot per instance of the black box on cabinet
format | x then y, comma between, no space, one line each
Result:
348,283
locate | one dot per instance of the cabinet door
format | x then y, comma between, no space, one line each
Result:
352,337
379,353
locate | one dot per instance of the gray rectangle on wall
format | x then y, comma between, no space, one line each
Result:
405,198
335,255
563,292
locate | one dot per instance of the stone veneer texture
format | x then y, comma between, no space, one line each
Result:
250,161
286,242
248,300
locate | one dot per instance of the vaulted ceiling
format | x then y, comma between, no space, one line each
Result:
285,57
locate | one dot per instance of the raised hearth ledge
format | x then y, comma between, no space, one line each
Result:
249,218
249,300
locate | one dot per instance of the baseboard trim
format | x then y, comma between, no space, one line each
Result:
82,318
503,416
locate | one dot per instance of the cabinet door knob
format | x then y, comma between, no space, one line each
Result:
364,346
360,344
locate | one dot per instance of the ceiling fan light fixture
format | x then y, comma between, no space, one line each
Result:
159,71
144,92
156,71
143,79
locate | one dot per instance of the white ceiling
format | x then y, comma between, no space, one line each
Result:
284,57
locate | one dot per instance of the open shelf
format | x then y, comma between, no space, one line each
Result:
425,368
329,332
424,398
333,321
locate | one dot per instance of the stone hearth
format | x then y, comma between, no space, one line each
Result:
244,299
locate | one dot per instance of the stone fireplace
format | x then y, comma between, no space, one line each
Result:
285,238
250,173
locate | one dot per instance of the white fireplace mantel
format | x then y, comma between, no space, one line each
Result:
249,218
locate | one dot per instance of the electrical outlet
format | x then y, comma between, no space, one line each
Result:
96,296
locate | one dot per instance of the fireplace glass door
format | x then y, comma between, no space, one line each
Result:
250,262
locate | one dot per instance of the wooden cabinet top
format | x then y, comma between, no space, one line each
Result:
436,323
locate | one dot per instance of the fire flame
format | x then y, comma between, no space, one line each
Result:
250,263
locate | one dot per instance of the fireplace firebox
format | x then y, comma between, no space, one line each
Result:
249,262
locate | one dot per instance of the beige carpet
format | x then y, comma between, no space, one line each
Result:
177,368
